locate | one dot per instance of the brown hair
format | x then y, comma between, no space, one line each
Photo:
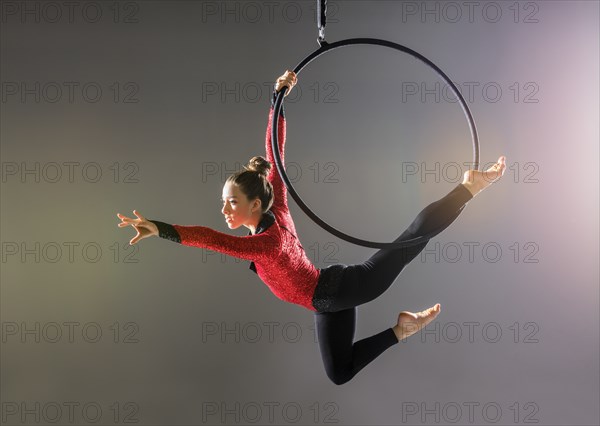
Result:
253,182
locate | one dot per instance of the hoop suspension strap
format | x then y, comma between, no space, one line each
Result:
321,19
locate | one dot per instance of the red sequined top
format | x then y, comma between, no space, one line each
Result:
275,251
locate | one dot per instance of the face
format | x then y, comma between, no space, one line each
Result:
237,209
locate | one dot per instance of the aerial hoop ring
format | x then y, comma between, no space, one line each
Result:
326,47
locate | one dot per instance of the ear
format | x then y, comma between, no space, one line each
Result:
257,203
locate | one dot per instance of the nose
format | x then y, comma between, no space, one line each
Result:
224,210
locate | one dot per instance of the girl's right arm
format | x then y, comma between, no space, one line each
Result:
263,246
279,190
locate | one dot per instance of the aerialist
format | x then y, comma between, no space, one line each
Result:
257,199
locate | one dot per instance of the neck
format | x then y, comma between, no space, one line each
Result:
255,221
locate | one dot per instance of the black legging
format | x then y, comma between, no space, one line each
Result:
366,281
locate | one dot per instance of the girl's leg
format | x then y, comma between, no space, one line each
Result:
343,358
366,281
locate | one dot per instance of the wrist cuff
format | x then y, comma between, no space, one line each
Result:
167,231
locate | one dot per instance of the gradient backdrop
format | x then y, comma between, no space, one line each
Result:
149,105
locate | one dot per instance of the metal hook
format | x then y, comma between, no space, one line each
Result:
321,38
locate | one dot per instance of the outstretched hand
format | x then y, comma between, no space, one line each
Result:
144,227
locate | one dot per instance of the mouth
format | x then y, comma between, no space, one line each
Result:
228,219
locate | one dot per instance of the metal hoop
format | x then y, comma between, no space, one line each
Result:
326,47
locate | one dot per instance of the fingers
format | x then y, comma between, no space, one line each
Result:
288,79
501,161
284,83
136,238
289,75
135,212
496,171
125,221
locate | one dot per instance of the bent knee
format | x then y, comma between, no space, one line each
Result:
339,377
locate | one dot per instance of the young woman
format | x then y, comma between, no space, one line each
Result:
257,199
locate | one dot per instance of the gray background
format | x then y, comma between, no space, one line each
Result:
352,132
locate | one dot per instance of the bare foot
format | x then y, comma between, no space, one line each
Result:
476,181
409,323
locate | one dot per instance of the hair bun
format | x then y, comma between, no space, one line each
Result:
260,165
